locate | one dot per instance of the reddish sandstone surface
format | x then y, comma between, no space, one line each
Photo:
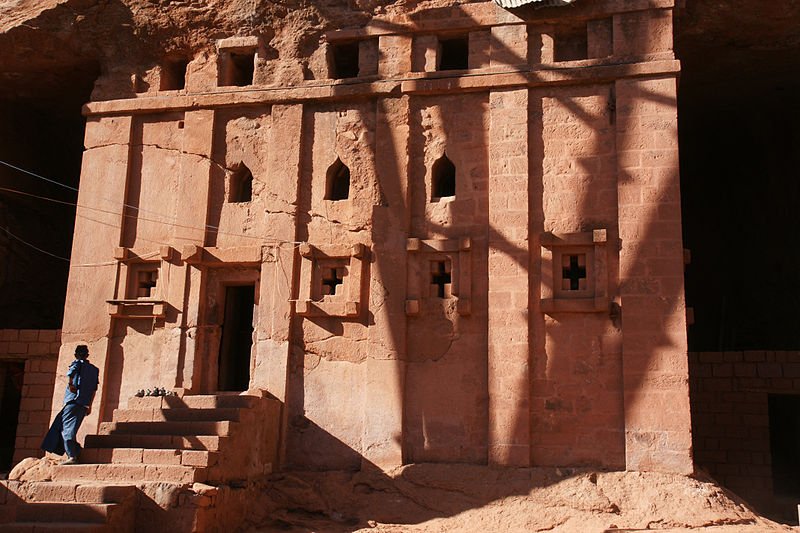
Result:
54,36
433,498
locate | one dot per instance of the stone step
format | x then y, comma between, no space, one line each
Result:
198,401
181,442
166,456
95,513
129,473
47,527
52,492
221,429
178,414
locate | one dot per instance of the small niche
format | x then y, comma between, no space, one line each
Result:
454,53
239,68
337,186
140,85
570,43
444,179
173,75
343,60
241,185
441,278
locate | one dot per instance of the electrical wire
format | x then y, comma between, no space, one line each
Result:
129,206
134,216
23,241
9,165
105,211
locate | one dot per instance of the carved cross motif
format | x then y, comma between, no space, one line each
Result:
146,282
573,271
440,277
331,278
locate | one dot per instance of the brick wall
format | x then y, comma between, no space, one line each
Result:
730,415
39,349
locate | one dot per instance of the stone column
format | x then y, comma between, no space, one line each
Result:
383,398
654,350
509,266
275,310
92,276
178,356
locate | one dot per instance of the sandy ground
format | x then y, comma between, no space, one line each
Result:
456,498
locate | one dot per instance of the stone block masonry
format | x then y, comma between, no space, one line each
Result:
38,350
483,158
731,419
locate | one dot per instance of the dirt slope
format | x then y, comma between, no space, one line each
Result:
450,498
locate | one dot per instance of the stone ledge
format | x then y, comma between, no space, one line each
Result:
589,71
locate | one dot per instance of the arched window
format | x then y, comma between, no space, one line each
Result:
444,178
241,186
337,186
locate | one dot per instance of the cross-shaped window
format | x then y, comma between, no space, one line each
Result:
573,270
440,277
146,282
331,278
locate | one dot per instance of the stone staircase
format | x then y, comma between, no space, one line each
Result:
161,464
70,507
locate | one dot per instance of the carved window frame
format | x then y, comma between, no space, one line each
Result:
594,298
129,261
420,253
349,302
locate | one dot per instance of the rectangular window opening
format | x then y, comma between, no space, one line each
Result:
173,75
239,68
344,60
454,53
570,43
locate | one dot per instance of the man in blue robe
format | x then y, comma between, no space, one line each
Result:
83,378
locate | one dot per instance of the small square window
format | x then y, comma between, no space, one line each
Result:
238,68
344,60
173,75
454,53
571,43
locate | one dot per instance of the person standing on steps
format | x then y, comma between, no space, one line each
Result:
83,379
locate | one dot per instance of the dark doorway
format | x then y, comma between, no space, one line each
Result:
784,436
11,375
237,338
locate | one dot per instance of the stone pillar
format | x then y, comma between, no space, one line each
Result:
509,46
275,310
178,355
383,397
509,265
92,275
654,350
192,209
394,55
